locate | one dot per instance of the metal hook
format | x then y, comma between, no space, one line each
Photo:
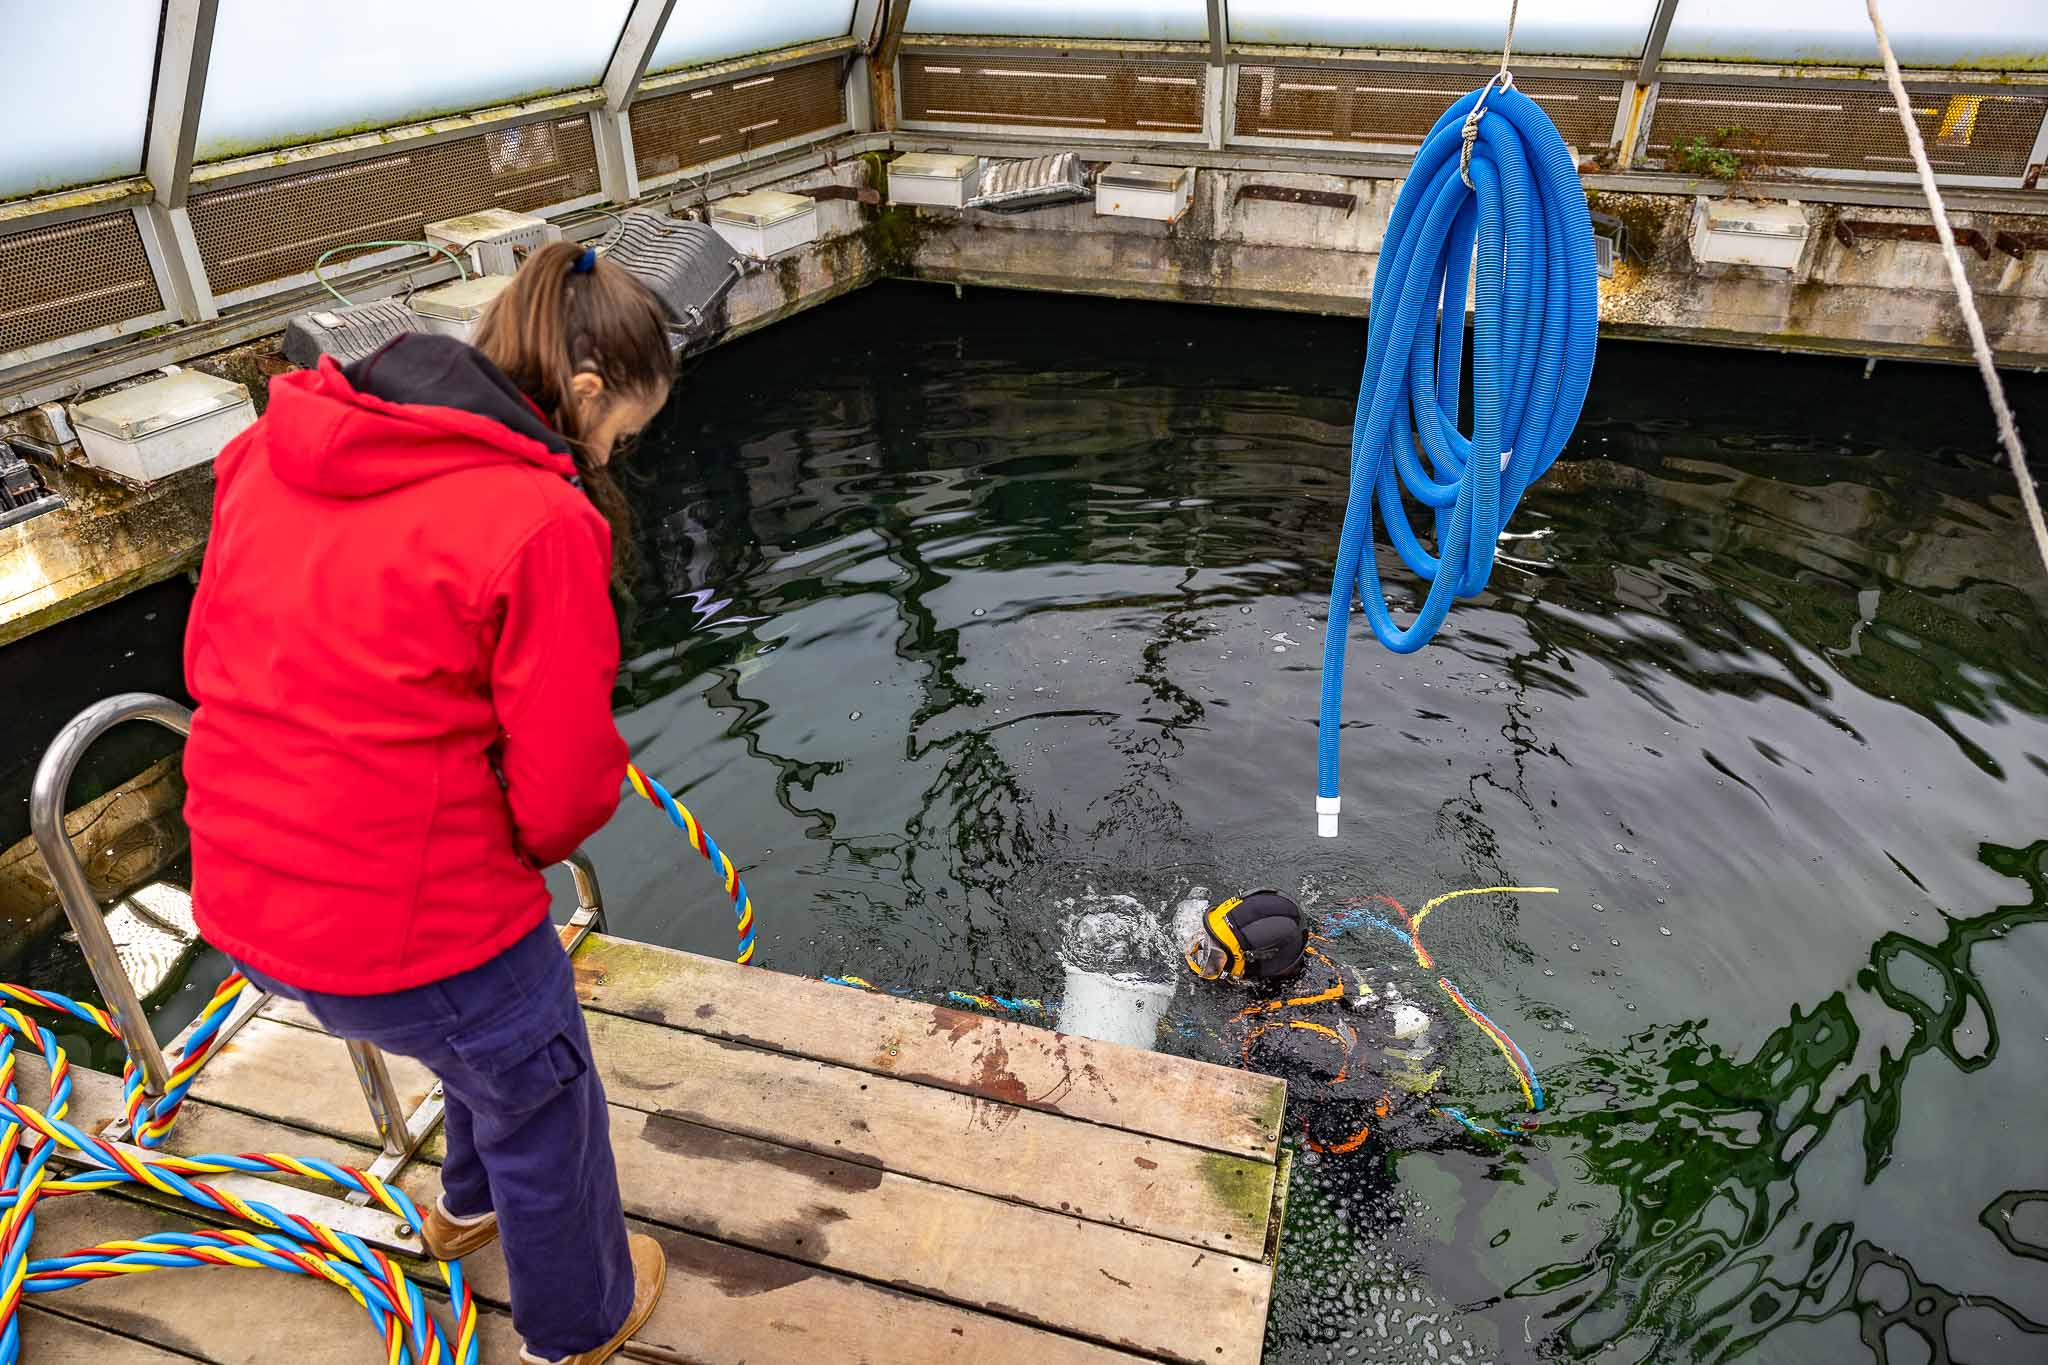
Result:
1470,132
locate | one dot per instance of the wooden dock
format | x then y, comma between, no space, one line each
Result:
837,1176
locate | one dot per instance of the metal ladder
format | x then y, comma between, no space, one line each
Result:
399,1133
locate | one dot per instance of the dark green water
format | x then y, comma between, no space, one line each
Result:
947,600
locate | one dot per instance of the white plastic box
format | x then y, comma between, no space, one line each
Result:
1738,232
766,223
934,179
492,241
1127,190
156,429
453,310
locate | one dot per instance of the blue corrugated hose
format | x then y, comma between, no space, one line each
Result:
1532,357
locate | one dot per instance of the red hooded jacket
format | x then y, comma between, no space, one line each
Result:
403,649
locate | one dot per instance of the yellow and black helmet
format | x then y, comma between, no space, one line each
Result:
1260,935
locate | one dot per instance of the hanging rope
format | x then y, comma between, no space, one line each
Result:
1966,299
679,816
32,1136
1504,78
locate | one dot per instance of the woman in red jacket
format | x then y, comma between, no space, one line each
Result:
403,649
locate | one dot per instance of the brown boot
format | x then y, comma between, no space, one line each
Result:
650,1272
450,1239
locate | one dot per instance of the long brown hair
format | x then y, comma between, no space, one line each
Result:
554,321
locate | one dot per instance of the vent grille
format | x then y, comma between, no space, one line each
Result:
1795,128
253,234
59,281
1109,95
1377,104
692,127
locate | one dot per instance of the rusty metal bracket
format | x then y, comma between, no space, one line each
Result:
2018,244
1851,234
1283,194
859,193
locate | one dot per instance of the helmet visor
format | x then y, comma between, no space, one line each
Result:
1206,959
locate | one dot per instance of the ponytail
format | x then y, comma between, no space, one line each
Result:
566,312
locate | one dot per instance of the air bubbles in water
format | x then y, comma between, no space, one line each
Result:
1662,930
981,611
853,715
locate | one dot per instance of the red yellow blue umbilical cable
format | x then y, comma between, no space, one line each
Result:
1409,931
701,840
30,1137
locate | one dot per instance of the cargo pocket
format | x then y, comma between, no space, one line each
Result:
519,1071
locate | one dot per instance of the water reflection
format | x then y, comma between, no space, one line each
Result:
959,608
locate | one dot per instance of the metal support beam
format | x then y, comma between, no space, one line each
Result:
1653,46
1216,105
184,48
173,253
636,45
888,41
618,170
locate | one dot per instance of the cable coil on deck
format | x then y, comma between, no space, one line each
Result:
33,1136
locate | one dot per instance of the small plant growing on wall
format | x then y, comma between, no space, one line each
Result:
1733,154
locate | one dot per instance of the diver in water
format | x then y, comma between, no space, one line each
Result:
1355,1050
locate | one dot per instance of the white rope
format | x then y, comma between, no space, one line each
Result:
1503,78
2008,431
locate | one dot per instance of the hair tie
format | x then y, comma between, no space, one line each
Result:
585,263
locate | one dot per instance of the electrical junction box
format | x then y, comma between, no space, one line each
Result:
1739,232
453,310
1016,186
493,241
766,223
1161,193
144,433
348,332
937,180
687,265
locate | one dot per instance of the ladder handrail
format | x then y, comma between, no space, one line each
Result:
46,811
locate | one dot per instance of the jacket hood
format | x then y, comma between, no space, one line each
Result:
421,407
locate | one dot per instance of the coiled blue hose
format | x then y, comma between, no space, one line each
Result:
1537,304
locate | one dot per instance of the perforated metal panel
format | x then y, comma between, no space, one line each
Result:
1383,105
690,127
253,234
1796,127
59,281
1129,95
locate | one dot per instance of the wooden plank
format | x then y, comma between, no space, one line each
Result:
1110,1285
47,1337
1065,1165
1197,1103
724,1305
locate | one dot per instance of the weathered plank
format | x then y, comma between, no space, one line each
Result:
1109,1285
1220,1108
1047,1160
48,1338
729,1306
725,1305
